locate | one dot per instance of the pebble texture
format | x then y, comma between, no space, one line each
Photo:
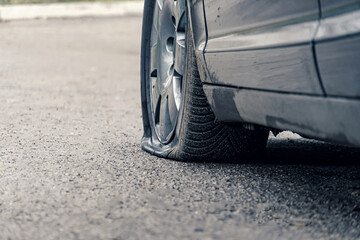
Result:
71,166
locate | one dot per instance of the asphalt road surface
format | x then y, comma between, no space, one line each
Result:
71,166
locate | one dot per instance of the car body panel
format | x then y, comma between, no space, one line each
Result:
234,18
197,18
290,69
337,45
339,66
332,119
339,26
268,37
284,67
336,7
262,44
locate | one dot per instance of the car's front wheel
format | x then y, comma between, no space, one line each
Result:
178,120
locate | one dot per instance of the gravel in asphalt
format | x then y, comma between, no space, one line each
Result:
71,166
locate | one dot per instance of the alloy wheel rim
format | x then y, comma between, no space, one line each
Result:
167,65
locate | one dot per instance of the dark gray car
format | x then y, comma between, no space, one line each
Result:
217,75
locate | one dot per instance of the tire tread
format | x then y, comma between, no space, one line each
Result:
201,137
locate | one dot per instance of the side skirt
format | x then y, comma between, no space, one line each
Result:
324,118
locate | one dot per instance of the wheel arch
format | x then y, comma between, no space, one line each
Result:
198,29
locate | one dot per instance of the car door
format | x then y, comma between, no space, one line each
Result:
337,45
264,44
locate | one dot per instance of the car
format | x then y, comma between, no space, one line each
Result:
218,75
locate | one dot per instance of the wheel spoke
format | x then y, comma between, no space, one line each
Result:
157,14
155,98
154,59
165,125
174,97
154,36
179,63
177,90
179,13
